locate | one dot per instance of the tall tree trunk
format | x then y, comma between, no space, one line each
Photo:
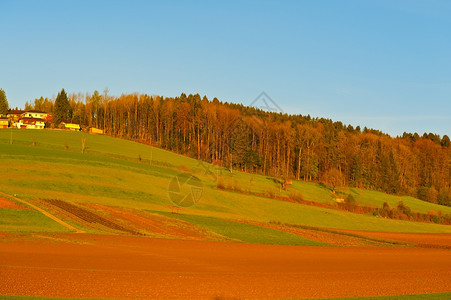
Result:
299,164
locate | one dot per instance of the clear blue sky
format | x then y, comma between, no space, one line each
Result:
381,64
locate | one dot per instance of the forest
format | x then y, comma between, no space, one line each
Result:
274,144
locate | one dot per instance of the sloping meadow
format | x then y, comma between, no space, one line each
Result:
127,175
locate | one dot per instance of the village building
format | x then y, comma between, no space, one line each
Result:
30,123
70,125
95,130
34,114
15,114
4,122
28,119
34,119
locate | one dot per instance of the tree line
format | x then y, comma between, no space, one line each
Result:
274,144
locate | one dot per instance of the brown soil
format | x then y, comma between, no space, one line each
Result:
127,267
156,225
81,216
87,217
119,220
183,168
5,203
425,240
329,236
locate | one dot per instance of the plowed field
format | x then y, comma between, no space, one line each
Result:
83,265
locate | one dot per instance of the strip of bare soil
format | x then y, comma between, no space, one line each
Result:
5,203
131,267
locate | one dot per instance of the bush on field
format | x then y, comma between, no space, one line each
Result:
237,186
220,184
271,193
296,196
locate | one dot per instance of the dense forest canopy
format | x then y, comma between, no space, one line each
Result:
274,144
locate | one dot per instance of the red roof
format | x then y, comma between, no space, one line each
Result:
32,119
35,111
15,111
69,122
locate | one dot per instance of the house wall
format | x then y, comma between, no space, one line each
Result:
72,126
35,115
96,130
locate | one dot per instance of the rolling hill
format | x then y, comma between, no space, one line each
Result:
134,178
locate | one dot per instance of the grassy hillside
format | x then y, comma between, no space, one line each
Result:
111,174
374,198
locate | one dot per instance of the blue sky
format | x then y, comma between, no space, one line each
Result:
381,64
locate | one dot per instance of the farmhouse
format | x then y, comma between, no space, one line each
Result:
30,123
95,130
15,114
34,114
70,125
4,122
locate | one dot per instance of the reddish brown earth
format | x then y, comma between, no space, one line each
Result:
156,225
5,203
329,236
83,265
426,240
120,220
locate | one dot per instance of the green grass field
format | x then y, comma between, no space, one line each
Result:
111,174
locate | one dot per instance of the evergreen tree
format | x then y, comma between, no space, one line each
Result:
251,160
62,108
3,103
445,141
240,144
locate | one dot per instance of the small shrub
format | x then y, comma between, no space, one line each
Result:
220,184
401,206
271,193
350,199
296,196
435,219
385,212
237,186
229,186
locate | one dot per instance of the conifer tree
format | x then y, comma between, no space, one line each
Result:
3,103
62,108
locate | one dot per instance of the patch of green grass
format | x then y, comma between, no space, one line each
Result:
376,199
95,144
313,191
245,232
24,220
262,209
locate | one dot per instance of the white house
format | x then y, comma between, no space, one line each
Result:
34,114
30,123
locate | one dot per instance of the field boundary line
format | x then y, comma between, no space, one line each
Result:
45,213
